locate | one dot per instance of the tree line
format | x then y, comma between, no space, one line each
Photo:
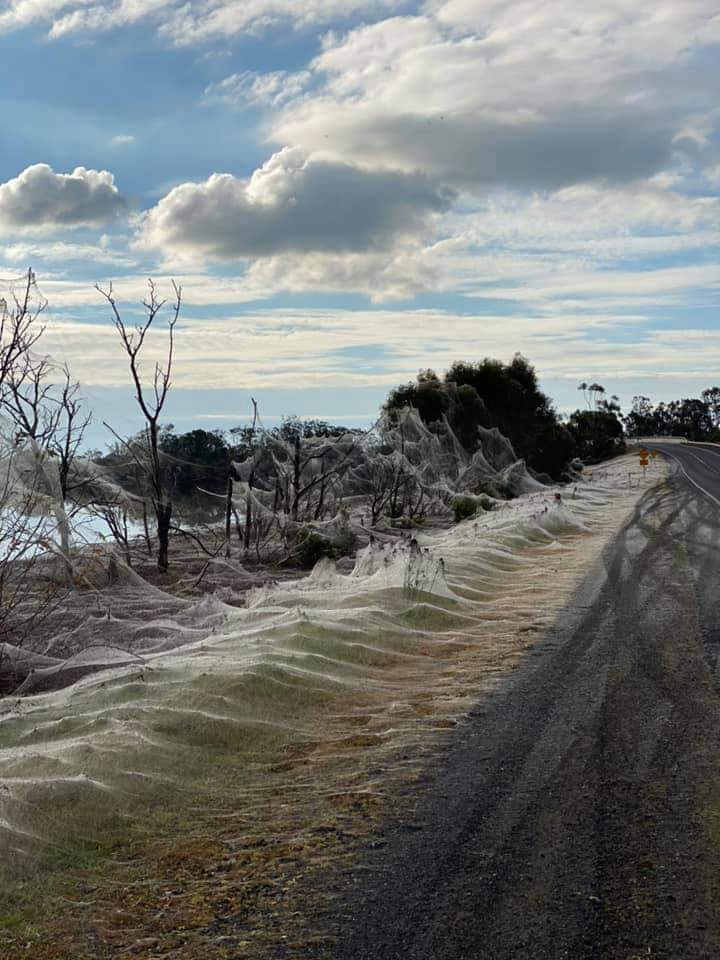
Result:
507,396
488,394
696,418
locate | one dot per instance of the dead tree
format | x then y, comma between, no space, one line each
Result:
47,416
151,401
26,595
381,480
228,514
19,326
116,518
251,481
301,487
52,420
71,422
23,378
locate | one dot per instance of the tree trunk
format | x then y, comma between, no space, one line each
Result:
63,524
276,498
126,539
248,514
321,502
163,513
148,542
296,480
228,515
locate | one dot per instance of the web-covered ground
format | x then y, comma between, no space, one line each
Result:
175,802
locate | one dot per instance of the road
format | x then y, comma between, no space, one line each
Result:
577,814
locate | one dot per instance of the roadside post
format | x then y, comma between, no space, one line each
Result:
644,459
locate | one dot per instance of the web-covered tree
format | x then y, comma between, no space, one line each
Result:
492,394
199,458
711,397
598,434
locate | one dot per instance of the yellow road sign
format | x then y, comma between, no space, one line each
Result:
653,453
644,461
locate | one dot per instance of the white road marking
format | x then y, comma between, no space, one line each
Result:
703,462
693,482
700,460
708,449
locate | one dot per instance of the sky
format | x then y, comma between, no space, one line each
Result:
349,191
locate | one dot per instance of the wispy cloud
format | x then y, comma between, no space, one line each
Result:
122,140
273,349
185,22
257,89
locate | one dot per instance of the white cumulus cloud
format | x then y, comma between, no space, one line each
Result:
40,199
519,94
293,204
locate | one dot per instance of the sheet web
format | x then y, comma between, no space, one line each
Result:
209,682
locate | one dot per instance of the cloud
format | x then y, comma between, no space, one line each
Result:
624,288
293,203
644,214
514,94
40,199
276,348
184,22
481,151
257,89
208,19
60,252
515,246
122,140
400,274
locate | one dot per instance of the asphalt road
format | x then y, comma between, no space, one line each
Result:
577,813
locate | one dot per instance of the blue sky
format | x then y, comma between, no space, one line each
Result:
350,190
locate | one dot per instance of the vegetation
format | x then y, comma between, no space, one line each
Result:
493,394
694,418
463,508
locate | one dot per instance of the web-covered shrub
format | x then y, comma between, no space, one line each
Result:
463,508
311,547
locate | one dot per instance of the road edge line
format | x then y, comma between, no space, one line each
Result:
693,482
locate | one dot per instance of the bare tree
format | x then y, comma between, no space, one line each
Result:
27,596
49,417
71,422
36,460
19,327
52,419
381,480
304,482
115,516
251,480
151,400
